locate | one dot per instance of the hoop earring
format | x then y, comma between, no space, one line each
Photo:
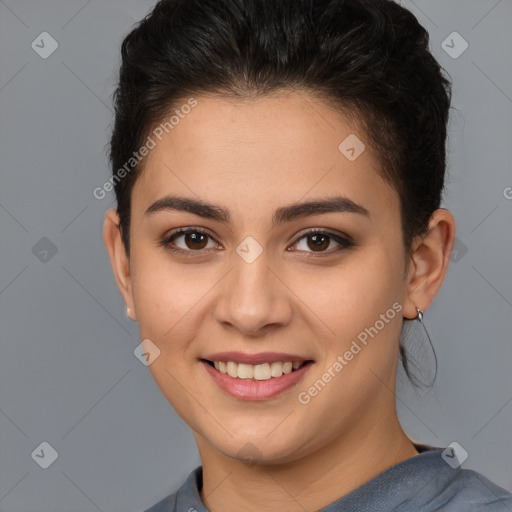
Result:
408,326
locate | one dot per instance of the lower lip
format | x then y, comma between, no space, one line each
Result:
251,389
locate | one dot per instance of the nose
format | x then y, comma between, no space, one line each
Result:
253,299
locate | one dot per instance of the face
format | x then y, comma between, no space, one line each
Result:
257,273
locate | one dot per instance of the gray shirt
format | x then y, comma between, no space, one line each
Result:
420,484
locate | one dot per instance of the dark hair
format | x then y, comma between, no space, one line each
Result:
369,58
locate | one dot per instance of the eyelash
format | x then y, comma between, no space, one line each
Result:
166,242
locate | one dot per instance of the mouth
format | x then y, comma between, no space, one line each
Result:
260,381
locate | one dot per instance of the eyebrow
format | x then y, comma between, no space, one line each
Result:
337,204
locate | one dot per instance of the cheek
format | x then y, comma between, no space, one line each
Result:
164,295
360,303
345,299
360,311
167,300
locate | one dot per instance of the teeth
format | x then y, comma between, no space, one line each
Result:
245,371
263,371
232,369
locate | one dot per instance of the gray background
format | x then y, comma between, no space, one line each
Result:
68,375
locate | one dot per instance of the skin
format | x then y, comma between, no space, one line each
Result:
252,157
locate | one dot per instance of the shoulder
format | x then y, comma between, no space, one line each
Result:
464,490
427,483
166,505
473,491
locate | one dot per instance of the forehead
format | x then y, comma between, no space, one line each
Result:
285,145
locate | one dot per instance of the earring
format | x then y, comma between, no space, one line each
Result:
420,315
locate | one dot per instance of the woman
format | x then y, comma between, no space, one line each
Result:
278,168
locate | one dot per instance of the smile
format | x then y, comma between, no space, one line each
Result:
256,382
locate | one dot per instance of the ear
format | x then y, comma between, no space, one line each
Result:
119,259
430,257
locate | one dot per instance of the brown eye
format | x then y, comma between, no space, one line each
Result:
319,241
194,240
189,240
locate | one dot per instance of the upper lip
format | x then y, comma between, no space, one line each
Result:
260,358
